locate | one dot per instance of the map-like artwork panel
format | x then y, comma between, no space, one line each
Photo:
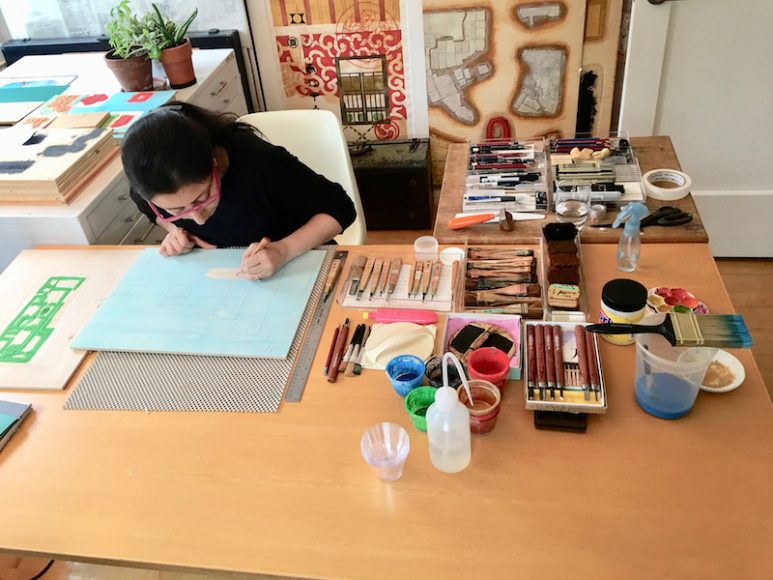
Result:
456,52
541,91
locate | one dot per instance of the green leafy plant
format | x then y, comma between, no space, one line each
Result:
169,32
125,32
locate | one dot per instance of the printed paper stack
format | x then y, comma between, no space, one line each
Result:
116,112
51,165
19,96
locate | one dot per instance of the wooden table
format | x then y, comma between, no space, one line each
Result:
652,153
289,494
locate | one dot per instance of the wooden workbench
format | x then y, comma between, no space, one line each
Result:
289,493
652,153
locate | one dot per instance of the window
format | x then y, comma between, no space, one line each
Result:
362,85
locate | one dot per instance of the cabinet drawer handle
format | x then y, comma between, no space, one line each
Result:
226,101
129,219
123,197
220,90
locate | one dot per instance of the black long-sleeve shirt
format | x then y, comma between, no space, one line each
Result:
265,191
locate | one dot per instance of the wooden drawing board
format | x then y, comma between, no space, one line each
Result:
53,363
172,305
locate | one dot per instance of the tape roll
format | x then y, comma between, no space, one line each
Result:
681,181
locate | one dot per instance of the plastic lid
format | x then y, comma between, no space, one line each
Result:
446,399
624,295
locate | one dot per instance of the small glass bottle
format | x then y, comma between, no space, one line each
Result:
624,301
448,432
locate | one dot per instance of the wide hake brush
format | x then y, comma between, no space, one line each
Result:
687,329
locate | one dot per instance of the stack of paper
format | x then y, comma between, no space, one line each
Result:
11,416
50,165
19,96
116,112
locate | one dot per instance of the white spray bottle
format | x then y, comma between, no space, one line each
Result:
629,246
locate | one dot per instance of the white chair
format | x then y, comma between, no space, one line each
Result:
316,138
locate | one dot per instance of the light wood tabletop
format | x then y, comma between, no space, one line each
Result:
652,153
289,493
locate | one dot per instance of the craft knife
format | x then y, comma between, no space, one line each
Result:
416,284
435,279
394,274
375,277
425,278
382,281
332,275
367,271
355,273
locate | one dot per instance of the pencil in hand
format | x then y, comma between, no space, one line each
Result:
251,251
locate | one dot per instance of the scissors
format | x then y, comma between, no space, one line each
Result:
663,216
667,216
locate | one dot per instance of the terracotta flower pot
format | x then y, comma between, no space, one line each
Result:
178,65
133,74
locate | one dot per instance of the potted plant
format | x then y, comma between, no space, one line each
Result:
173,49
128,59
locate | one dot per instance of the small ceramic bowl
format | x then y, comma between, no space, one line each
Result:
715,374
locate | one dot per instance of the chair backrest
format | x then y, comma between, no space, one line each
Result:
316,138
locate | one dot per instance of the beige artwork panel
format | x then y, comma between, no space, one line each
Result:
602,37
508,40
54,362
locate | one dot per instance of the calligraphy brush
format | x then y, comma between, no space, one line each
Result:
688,329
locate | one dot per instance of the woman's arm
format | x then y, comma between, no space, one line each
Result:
265,263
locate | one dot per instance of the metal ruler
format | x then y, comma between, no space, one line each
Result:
296,384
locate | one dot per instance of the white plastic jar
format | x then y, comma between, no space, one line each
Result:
623,301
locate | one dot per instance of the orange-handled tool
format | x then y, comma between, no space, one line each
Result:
469,220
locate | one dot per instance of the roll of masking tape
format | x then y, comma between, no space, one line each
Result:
678,184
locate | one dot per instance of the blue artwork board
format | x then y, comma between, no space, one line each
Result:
174,305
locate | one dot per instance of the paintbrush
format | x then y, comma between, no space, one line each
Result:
688,329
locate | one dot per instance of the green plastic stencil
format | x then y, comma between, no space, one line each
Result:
26,333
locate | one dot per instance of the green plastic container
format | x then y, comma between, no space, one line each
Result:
417,402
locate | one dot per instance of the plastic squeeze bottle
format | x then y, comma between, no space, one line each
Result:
448,431
629,246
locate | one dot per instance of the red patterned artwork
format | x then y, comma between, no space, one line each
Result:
321,50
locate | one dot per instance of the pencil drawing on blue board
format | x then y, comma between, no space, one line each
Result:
171,305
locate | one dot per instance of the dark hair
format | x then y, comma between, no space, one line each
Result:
172,146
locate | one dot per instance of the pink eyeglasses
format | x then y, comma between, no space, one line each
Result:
209,200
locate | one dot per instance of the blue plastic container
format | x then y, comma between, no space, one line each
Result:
405,372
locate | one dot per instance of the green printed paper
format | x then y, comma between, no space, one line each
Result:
26,333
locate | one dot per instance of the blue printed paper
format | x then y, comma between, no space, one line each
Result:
181,305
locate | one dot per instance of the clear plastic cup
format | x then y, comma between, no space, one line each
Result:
668,378
425,248
385,447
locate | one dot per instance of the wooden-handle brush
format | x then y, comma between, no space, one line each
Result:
687,329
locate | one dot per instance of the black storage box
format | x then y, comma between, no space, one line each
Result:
395,183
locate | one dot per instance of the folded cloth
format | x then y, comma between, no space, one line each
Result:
564,260
562,247
564,276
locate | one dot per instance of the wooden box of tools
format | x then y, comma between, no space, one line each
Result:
562,369
503,280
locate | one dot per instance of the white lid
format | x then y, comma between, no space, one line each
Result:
446,399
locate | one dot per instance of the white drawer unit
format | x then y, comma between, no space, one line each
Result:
103,213
222,92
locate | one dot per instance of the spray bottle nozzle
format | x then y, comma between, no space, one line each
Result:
635,212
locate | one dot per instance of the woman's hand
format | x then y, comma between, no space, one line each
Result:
263,259
179,241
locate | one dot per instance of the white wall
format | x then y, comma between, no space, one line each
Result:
716,103
716,97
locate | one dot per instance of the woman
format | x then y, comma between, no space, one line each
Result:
211,181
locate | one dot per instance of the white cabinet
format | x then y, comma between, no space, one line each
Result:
103,213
